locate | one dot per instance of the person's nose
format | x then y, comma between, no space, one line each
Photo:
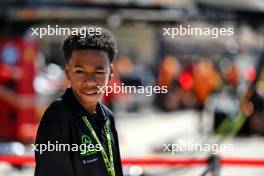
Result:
89,80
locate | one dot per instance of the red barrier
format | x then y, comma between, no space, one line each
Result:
175,162
18,160
186,162
165,162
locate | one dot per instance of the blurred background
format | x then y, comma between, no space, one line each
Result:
215,85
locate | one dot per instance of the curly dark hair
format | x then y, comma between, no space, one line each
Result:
105,42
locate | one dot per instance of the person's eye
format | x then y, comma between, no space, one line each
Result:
99,72
79,72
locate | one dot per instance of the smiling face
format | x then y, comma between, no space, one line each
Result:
86,71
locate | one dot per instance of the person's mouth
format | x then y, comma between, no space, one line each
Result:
90,92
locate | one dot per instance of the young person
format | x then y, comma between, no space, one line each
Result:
78,119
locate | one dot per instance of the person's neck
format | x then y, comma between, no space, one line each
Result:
88,107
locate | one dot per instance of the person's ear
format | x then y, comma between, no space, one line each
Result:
111,73
66,70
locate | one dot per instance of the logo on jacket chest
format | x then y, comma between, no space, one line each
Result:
88,147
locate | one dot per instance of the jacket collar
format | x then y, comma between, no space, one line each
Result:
77,109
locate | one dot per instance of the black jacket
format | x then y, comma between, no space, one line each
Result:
62,124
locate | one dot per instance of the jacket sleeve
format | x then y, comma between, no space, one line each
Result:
119,168
53,130
114,131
